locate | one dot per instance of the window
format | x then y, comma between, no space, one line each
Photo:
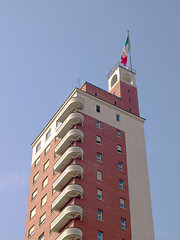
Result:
122,203
100,235
120,166
46,165
128,90
41,237
99,175
33,212
129,100
130,109
38,147
118,117
48,134
37,162
42,219
31,231
36,177
58,123
119,148
121,184
115,101
98,157
34,194
99,194
99,214
98,124
118,133
98,139
123,223
45,182
47,149
95,94
98,109
43,200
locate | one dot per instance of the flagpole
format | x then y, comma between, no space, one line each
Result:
130,52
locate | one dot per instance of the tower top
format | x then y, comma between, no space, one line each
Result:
120,73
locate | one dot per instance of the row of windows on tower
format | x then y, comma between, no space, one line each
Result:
98,109
98,125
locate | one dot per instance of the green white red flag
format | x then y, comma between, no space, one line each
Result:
125,51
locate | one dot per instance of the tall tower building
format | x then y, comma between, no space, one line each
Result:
89,175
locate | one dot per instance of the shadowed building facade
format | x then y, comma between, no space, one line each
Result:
89,175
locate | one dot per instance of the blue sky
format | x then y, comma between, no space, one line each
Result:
45,46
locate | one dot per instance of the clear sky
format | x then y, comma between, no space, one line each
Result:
45,46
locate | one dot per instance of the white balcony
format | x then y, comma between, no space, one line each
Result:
71,234
66,158
70,212
73,104
70,137
73,190
70,172
71,120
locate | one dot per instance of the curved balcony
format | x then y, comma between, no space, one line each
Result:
72,104
71,120
70,172
71,233
73,190
70,212
66,158
70,137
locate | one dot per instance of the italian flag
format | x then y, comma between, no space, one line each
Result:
125,51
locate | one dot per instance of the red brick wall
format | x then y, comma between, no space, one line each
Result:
112,213
45,227
118,96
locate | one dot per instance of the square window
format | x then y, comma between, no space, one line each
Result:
36,177
117,117
37,162
121,184
99,214
45,182
98,108
38,147
48,134
46,165
98,139
119,148
53,191
34,194
98,157
41,237
47,149
122,203
99,175
120,166
33,212
42,219
123,223
31,231
43,200
118,133
100,235
99,194
98,124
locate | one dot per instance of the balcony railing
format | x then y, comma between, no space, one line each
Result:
68,139
71,233
72,190
72,104
66,158
71,120
70,172
70,212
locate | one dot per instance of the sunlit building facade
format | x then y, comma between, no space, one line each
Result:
89,175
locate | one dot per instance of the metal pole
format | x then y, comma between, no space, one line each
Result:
130,52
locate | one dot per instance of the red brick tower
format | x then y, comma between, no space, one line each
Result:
89,177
